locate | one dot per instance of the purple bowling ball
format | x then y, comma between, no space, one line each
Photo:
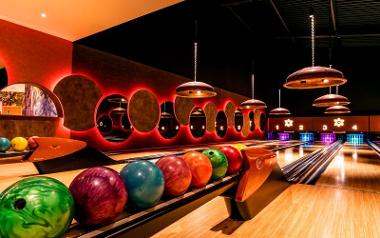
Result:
100,195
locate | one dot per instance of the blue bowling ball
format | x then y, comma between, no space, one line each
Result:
144,182
5,144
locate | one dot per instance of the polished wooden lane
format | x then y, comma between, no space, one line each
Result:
354,167
300,211
289,155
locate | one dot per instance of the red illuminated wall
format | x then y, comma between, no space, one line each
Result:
116,75
32,56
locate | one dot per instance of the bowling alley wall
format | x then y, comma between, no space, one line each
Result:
108,101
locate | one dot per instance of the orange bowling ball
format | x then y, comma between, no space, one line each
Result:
200,166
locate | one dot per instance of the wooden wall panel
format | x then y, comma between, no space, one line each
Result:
182,109
210,112
374,122
79,97
230,113
27,126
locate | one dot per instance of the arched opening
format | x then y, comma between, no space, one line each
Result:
168,125
221,124
197,122
112,119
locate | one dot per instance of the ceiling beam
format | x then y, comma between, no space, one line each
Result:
240,20
236,3
279,15
333,14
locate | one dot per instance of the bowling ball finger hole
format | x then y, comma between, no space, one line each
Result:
19,204
211,153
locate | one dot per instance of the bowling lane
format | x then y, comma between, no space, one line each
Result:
289,155
354,167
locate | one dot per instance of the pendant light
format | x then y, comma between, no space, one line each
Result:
337,110
314,76
331,99
253,103
195,89
119,109
279,111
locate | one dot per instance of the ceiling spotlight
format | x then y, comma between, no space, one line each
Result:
43,14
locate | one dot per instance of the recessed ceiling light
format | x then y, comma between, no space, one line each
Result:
43,15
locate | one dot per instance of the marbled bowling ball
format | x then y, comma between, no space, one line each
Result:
145,183
19,144
35,207
99,194
219,162
234,158
200,167
32,143
5,144
176,173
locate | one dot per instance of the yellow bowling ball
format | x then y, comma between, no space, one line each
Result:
239,146
19,143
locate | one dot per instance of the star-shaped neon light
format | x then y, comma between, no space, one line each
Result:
288,123
339,122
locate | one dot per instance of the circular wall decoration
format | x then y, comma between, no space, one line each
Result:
230,113
143,111
197,122
182,109
238,118
79,97
112,118
252,125
210,111
168,126
221,124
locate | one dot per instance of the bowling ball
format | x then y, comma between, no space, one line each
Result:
5,144
219,162
99,194
32,143
239,146
145,183
19,144
36,207
176,173
200,167
234,158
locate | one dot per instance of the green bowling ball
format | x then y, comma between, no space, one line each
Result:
35,207
219,163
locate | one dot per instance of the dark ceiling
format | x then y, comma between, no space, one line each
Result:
273,33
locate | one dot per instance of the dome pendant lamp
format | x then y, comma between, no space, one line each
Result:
331,99
337,110
195,89
279,111
253,103
314,76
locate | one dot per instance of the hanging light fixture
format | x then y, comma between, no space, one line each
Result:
253,103
195,89
279,111
331,99
337,110
314,76
119,109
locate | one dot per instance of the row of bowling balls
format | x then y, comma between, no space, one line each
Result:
44,207
17,144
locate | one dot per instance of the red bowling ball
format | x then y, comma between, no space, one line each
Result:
200,166
100,195
32,143
177,175
234,158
